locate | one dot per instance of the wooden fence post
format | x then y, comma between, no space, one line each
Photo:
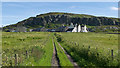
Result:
75,43
112,54
27,56
97,54
16,59
83,48
32,50
88,48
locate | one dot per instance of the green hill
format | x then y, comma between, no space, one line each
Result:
56,19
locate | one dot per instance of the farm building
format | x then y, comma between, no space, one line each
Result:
77,28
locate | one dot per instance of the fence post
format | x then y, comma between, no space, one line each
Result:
112,54
88,48
97,54
16,59
83,48
75,43
32,50
27,56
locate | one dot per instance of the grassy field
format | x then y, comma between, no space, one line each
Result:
91,49
26,49
36,49
30,49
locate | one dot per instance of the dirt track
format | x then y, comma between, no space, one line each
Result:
69,57
55,60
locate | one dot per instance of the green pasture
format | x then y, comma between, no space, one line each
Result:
91,49
36,48
30,49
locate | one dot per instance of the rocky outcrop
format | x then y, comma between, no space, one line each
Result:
66,18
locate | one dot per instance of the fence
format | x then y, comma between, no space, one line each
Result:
87,49
19,56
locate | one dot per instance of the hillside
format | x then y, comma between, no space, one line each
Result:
56,19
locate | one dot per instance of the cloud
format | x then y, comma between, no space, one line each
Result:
114,8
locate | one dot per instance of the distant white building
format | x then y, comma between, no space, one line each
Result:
84,29
77,28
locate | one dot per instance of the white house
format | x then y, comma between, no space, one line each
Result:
84,29
77,28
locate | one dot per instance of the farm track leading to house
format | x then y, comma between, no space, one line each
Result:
56,60
69,57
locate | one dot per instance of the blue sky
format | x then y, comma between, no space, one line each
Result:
59,0
13,12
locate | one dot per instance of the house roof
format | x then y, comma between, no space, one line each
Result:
69,29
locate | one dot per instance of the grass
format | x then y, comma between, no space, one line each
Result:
31,48
91,49
36,49
46,59
64,61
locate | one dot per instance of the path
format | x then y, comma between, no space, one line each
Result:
69,57
55,60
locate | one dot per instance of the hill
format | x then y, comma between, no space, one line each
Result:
56,19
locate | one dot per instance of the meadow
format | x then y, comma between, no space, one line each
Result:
26,49
36,48
91,49
31,49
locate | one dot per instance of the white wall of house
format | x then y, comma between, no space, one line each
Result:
75,29
84,29
79,28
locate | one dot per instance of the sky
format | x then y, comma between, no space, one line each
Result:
13,12
59,0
